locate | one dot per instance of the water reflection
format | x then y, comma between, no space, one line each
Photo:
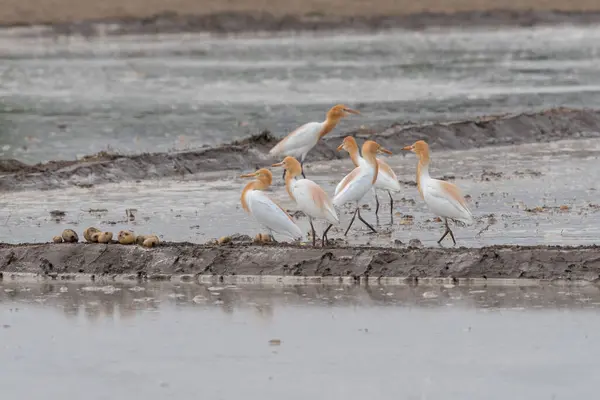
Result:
123,301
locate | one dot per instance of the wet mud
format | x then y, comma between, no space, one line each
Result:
252,152
254,22
65,261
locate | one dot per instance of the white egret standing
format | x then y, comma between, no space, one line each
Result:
266,212
386,178
309,197
443,198
298,143
360,181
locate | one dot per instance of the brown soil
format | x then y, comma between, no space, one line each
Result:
252,153
65,261
148,16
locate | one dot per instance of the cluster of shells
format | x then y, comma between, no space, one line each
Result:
94,235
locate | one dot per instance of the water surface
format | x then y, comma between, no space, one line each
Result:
156,341
66,97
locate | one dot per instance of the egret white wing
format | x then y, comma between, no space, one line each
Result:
446,204
356,188
342,184
386,178
299,141
313,200
271,216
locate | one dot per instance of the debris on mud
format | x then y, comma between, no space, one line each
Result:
65,261
249,153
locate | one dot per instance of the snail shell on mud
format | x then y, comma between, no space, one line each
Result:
262,238
151,241
88,232
126,237
224,240
57,239
105,237
70,236
140,239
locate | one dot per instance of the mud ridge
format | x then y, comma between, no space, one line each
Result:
257,22
252,152
65,261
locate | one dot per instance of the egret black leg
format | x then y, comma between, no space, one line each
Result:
314,235
365,222
376,203
325,241
284,174
391,206
272,238
448,231
351,221
302,167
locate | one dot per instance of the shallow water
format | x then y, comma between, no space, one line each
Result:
503,182
157,341
66,97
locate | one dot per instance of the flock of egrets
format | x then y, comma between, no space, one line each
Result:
443,198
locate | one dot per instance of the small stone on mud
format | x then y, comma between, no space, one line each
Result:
430,295
57,239
564,207
275,342
57,213
415,243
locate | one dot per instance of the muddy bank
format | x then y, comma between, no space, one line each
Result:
252,153
240,22
58,261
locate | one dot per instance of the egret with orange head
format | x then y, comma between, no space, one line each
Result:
266,212
443,198
356,184
298,143
386,178
309,197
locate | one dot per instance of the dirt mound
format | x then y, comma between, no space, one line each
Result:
252,153
139,17
62,261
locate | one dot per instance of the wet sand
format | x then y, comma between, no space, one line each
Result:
244,261
251,153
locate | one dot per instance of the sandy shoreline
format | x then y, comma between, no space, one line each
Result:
190,262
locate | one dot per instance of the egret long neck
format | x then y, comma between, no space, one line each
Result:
328,126
354,155
372,162
289,178
422,172
249,187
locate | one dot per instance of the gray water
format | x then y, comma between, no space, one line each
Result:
190,341
67,97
